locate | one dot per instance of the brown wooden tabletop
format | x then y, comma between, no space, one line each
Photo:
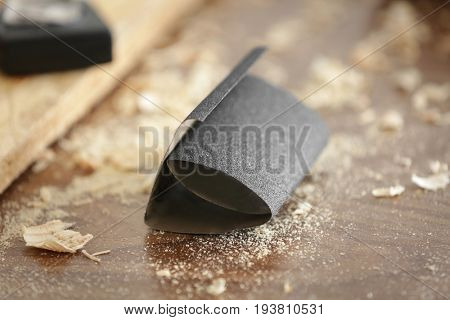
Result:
351,245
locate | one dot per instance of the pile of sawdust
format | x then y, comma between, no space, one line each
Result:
178,258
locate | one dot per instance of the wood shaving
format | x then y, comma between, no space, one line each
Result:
433,182
437,166
435,117
367,116
388,192
217,287
283,35
408,79
403,161
54,236
43,161
99,253
431,94
392,120
90,256
45,194
287,288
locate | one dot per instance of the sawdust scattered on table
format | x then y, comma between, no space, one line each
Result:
52,202
191,67
180,258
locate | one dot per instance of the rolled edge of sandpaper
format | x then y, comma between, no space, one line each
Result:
211,181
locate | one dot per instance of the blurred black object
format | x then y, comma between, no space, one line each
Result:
42,47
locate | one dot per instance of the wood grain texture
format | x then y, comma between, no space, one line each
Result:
364,248
36,110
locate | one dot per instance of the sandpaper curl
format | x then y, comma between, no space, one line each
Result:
236,158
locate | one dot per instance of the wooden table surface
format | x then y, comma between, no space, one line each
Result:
350,246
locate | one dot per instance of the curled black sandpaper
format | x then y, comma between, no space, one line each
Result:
210,182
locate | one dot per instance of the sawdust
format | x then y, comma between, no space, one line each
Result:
163,273
349,87
292,233
217,287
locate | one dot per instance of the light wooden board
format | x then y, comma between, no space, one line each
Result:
36,110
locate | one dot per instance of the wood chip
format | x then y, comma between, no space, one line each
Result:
217,287
433,182
90,256
53,236
388,192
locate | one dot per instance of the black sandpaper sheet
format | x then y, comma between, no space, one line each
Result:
236,158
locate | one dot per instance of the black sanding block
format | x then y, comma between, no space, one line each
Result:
212,183
38,47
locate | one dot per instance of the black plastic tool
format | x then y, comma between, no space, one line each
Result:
35,47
